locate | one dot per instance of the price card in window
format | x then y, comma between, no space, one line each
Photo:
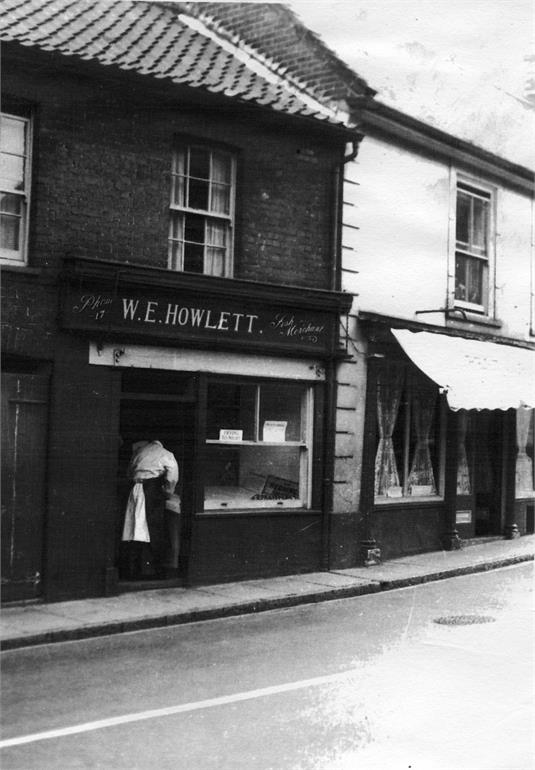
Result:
225,434
274,430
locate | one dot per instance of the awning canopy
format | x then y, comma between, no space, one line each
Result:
473,374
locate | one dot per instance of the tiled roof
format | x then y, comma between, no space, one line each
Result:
161,41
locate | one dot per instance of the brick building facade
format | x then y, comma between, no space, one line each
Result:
170,270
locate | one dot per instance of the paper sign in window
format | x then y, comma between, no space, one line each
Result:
421,490
226,434
274,430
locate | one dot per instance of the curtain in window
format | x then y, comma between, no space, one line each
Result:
389,387
464,486
423,411
178,197
220,197
524,463
176,241
216,233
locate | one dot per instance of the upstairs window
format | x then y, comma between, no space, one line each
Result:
202,211
472,247
15,165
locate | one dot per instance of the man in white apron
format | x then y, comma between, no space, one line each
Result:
153,471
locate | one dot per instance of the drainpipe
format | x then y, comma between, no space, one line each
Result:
331,378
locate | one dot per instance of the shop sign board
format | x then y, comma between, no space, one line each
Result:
181,317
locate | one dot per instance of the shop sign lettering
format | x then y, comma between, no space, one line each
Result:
167,318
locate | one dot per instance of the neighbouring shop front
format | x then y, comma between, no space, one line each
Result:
236,380
448,452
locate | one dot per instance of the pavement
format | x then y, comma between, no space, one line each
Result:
26,625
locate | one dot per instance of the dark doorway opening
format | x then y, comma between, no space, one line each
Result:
156,405
487,447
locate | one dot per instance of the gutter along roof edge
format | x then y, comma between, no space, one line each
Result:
388,121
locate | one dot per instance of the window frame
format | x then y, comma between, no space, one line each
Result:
411,377
184,146
306,446
477,189
25,117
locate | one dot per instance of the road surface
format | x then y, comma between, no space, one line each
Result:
368,683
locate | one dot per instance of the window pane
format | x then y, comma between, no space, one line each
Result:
13,135
10,204
220,189
231,407
281,412
461,277
10,232
215,261
194,228
220,203
199,163
480,225
178,195
193,258
252,477
198,194
221,168
175,255
475,280
463,218
178,181
12,171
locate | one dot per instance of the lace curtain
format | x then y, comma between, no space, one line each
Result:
220,184
216,238
464,486
524,463
389,388
423,410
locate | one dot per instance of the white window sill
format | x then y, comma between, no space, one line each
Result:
409,500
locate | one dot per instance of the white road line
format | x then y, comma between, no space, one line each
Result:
180,709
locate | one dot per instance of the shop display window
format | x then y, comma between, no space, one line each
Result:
408,438
258,446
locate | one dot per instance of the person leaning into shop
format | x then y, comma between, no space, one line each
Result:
153,471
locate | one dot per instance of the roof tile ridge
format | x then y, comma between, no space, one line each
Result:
262,65
28,13
270,62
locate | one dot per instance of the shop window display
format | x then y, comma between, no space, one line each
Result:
257,446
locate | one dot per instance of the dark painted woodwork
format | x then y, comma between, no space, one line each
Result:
449,533
84,443
404,530
24,446
228,547
511,528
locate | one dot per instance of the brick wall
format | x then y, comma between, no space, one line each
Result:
276,32
102,179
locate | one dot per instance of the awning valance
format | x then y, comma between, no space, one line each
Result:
474,374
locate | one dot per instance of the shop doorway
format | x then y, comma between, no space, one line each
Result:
480,477
156,406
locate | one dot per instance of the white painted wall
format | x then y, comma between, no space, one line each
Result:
402,208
